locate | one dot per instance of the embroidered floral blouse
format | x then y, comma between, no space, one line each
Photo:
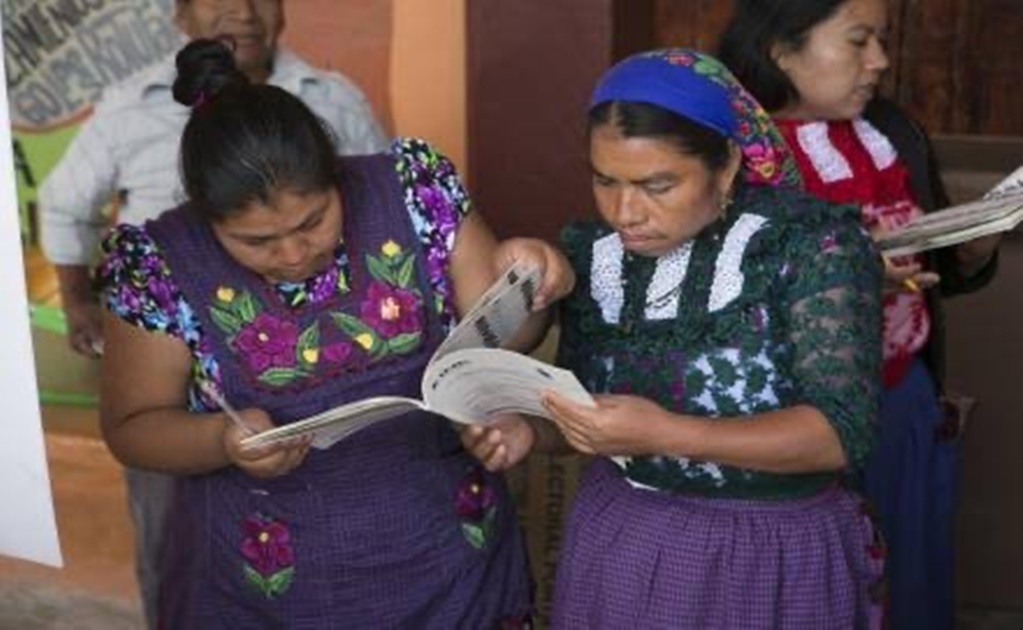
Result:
776,306
138,286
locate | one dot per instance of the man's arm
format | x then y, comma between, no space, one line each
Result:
82,310
71,202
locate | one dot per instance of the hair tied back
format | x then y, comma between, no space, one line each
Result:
201,99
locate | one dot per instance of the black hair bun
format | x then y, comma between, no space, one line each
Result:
205,67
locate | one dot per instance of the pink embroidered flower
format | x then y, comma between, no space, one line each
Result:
391,311
828,242
763,163
475,497
267,342
267,546
337,352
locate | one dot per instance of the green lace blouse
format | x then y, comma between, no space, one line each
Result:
776,305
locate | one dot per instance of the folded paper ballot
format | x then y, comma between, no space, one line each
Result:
1000,210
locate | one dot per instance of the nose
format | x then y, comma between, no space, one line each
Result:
292,251
243,9
877,57
626,207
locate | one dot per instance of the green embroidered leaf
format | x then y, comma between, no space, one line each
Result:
275,377
706,67
756,380
404,343
352,325
246,307
488,523
279,582
407,270
473,534
255,579
225,320
362,334
310,337
308,340
380,270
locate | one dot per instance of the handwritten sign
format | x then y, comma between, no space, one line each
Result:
61,53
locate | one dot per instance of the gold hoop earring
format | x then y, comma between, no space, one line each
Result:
725,203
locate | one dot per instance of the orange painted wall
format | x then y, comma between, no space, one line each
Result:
408,56
350,36
428,90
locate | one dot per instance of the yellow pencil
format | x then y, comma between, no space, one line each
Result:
911,285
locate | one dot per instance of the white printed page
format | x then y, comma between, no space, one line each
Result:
497,315
1011,185
474,385
956,224
335,424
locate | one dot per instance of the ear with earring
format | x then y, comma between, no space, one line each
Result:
725,202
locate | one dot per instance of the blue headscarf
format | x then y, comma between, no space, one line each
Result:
699,87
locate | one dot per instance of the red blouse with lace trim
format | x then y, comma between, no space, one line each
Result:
850,161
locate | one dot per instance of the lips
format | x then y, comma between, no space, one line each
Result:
636,242
248,40
633,238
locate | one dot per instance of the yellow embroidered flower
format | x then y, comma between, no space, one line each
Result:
390,249
365,340
311,355
225,294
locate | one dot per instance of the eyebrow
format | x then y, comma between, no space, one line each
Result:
870,30
656,177
315,214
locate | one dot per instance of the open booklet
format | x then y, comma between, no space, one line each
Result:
1000,210
470,378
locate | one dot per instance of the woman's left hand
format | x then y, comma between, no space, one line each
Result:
618,425
558,279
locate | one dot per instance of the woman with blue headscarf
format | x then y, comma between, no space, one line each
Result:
730,325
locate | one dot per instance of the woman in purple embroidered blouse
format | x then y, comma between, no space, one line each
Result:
294,281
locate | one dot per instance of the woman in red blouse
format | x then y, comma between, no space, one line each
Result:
816,65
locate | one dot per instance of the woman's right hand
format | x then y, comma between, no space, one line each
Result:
266,461
501,443
902,278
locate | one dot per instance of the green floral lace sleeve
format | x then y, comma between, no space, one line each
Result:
835,310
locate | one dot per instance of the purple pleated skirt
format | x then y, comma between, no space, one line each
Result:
636,558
